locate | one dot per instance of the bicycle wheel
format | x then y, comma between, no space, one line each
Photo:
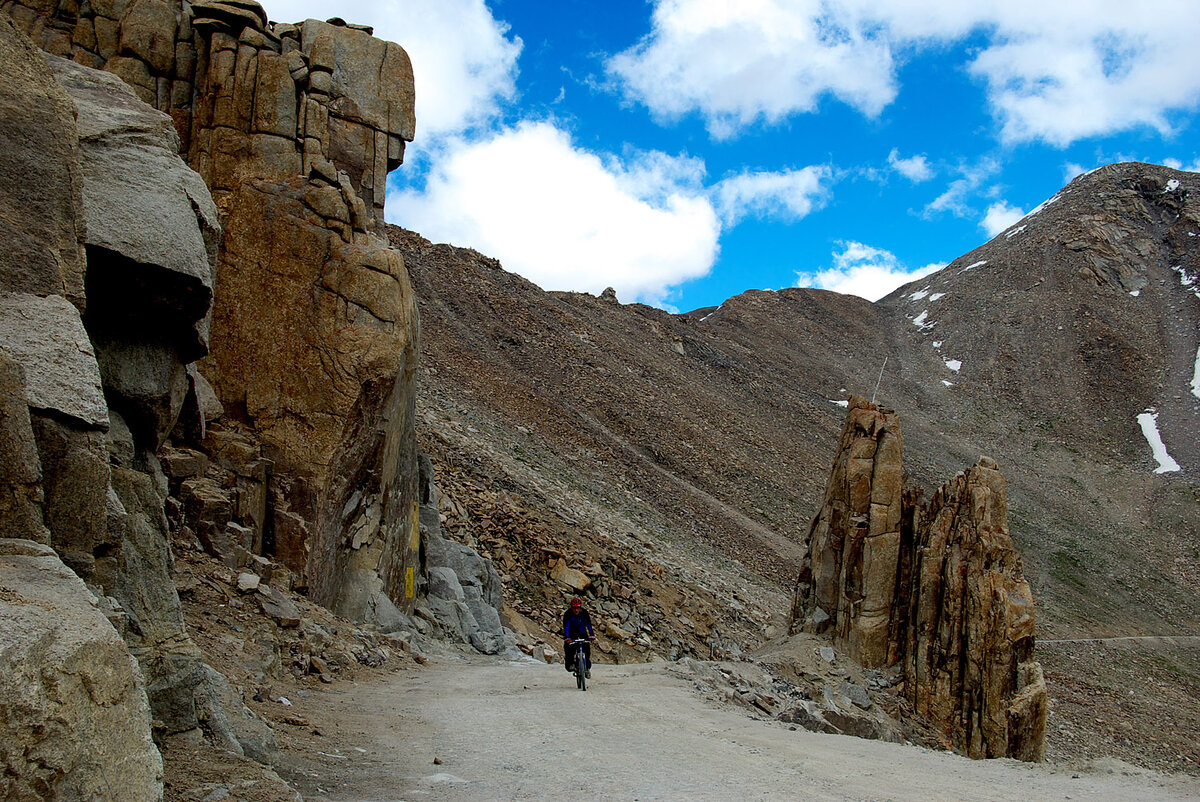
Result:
580,669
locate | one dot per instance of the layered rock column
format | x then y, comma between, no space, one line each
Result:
968,660
935,588
847,579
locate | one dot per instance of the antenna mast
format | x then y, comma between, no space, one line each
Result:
880,379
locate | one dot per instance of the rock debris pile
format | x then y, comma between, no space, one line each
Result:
933,588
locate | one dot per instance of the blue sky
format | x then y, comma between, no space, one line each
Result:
683,151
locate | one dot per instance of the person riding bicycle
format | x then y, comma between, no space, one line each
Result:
577,625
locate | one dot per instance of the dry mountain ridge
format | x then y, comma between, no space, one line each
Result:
725,421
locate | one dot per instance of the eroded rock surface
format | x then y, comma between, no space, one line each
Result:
248,98
294,129
935,588
968,658
847,580
74,723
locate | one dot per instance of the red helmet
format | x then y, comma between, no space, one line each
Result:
576,602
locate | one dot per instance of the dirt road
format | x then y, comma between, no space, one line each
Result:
484,730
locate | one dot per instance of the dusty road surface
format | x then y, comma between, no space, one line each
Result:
470,729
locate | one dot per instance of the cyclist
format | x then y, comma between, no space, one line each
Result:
576,625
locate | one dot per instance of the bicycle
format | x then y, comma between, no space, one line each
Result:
580,663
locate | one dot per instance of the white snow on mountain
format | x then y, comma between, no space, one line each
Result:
1148,420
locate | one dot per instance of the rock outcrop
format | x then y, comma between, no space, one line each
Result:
968,655
103,389
464,591
293,128
250,99
74,723
935,588
848,577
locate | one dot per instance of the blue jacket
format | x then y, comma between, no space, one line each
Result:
577,625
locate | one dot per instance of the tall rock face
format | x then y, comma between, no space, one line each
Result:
333,399
968,650
935,588
848,577
294,128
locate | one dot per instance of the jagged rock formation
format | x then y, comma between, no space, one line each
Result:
250,99
968,621
936,588
59,380
74,723
294,129
848,577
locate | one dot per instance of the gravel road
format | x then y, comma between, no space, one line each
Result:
473,729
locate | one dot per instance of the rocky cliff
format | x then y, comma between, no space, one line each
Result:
222,355
293,128
935,588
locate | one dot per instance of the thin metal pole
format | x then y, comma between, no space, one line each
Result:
880,379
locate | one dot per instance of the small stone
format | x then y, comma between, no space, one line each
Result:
827,655
247,582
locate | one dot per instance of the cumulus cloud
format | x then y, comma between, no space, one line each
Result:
1056,72
914,168
787,195
738,63
1177,164
464,61
564,217
999,217
863,270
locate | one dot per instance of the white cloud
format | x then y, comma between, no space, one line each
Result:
863,270
464,62
790,194
1057,72
1177,164
914,168
1000,216
954,198
564,217
738,63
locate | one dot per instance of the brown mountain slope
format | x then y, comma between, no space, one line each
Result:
724,422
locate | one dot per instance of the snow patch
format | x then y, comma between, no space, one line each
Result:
1196,376
1014,232
920,322
1172,185
1148,420
1053,199
919,294
713,312
954,364
947,383
937,295
1187,279
842,403
937,343
977,264
1135,293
